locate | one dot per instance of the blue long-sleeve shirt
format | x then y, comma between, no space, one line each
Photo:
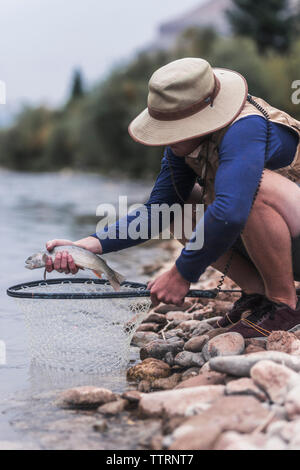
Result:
241,163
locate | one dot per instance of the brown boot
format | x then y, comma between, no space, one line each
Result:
247,302
271,317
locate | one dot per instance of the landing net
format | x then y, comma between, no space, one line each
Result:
81,324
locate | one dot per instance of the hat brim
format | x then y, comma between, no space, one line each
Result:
227,106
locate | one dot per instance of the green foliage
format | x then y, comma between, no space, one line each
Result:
90,131
270,23
77,87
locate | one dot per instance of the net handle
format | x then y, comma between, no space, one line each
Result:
138,290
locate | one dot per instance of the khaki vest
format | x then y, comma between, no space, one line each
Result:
209,149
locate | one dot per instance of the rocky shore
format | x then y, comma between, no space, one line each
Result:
194,388
198,388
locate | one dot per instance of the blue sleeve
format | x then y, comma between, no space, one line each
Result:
241,164
117,236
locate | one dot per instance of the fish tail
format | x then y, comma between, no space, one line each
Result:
120,278
116,280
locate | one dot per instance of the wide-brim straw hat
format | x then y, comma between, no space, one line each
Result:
188,99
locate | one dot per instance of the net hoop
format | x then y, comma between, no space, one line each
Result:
137,290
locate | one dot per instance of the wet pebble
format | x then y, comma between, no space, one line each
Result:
188,359
149,369
196,343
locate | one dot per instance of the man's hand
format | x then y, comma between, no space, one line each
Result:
169,288
64,262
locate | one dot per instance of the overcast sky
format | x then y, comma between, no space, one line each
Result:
42,41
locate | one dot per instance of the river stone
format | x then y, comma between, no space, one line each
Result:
216,332
212,321
155,327
176,402
208,378
188,359
198,315
240,366
260,343
159,348
292,403
113,408
275,379
189,373
142,338
227,344
284,342
164,308
244,386
166,384
240,413
172,334
203,329
253,349
169,359
144,386
190,325
235,441
284,430
149,369
155,318
100,425
179,317
132,396
196,343
85,397
205,368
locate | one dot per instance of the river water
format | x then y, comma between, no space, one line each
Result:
34,209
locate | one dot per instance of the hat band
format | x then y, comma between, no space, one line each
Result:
190,110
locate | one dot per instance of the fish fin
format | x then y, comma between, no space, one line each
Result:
45,274
98,274
116,281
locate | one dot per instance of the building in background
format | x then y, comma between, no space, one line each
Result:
211,13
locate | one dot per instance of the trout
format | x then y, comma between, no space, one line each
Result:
82,258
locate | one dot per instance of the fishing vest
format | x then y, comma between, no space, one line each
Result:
208,151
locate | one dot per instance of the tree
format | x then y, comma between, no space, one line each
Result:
77,87
272,24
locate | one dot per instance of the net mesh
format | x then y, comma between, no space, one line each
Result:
82,335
